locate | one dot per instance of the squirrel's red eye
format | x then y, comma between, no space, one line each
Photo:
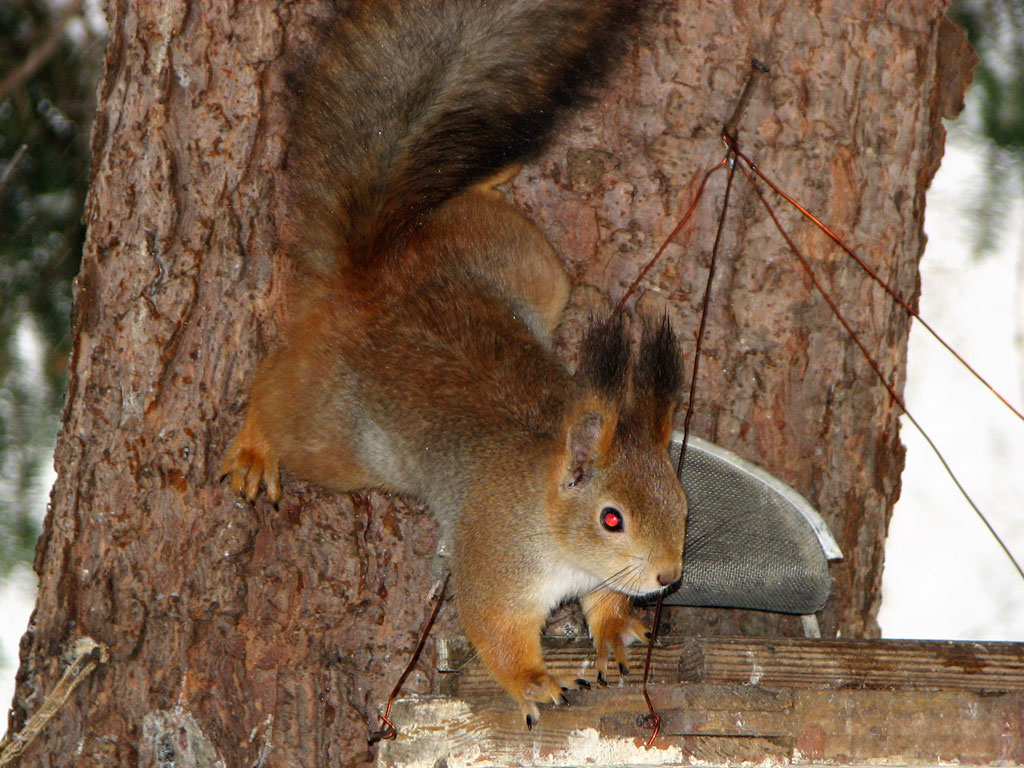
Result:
611,519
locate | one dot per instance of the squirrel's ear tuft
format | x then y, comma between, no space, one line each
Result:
604,359
657,380
644,391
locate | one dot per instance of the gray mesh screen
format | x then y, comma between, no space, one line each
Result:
748,544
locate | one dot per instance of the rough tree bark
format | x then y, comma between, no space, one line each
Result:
271,637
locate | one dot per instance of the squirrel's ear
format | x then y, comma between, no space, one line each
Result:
604,359
588,440
604,370
657,380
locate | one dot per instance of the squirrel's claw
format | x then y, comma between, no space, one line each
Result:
614,645
249,462
545,688
613,627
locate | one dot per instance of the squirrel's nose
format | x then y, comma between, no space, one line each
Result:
669,577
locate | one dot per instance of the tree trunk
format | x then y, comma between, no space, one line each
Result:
265,636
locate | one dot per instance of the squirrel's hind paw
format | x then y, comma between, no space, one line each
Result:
250,461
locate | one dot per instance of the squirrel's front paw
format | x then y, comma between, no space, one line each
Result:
250,460
612,627
542,687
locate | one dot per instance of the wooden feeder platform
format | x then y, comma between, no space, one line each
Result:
733,701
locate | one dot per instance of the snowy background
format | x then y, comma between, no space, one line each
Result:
945,576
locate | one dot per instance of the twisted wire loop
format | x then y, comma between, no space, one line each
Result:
388,731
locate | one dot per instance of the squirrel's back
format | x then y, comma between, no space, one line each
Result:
406,104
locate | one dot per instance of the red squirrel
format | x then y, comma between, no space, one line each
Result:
417,355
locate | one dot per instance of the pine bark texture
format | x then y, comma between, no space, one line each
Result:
262,636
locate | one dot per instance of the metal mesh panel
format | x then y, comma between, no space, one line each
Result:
751,541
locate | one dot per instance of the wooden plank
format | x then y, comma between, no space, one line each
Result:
598,728
870,664
837,664
563,656
728,701
718,725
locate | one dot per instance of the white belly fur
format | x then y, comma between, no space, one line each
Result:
562,582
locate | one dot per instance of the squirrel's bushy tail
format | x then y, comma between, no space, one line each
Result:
410,101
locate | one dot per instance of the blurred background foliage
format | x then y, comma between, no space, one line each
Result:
995,109
50,55
50,58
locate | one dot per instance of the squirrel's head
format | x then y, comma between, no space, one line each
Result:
620,512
